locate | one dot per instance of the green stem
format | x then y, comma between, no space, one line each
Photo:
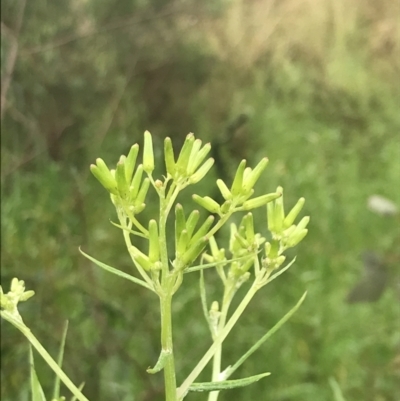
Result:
226,301
45,355
184,388
167,347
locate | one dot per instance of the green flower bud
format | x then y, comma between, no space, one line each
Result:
192,222
140,258
104,176
242,242
184,155
267,248
139,208
130,162
182,243
208,203
180,222
249,225
201,172
120,177
169,157
296,237
226,206
214,248
198,158
234,245
26,295
154,243
148,154
290,218
194,251
226,193
202,231
260,200
137,179
191,167
254,175
142,193
236,188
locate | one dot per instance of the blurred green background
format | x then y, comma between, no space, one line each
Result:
312,84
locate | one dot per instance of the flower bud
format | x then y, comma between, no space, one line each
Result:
198,157
203,230
180,222
184,155
192,222
142,193
148,154
208,203
236,188
135,186
202,171
104,176
260,200
191,167
254,175
130,162
120,177
169,157
140,258
226,193
154,242
290,218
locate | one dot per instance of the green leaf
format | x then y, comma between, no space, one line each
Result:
116,271
56,391
160,362
36,388
265,337
226,384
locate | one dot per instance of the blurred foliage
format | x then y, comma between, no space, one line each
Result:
311,84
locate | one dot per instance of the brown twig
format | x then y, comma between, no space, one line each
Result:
12,56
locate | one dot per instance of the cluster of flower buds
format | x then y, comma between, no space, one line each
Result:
189,244
187,169
17,293
240,192
285,234
124,182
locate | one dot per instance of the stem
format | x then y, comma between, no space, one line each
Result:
45,355
227,298
184,388
167,347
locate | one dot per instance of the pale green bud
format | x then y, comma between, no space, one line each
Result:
180,222
26,295
201,172
191,167
184,155
254,175
142,192
137,179
260,200
194,251
203,230
120,177
226,193
140,258
267,248
208,203
290,218
104,176
249,225
169,157
183,243
296,237
192,222
154,242
198,158
236,188
130,162
148,154
226,206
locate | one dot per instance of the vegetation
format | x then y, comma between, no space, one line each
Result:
317,85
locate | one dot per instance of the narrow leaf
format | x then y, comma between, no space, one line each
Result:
116,271
36,388
227,384
56,391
